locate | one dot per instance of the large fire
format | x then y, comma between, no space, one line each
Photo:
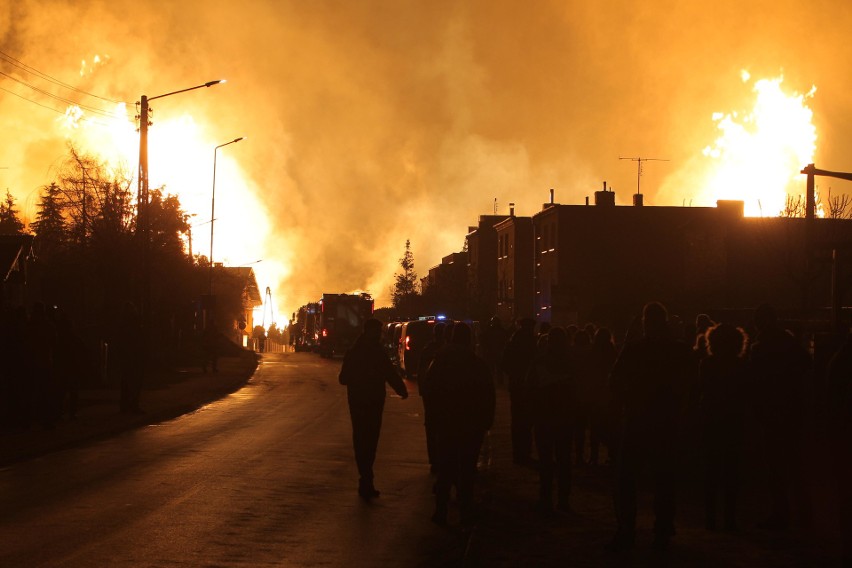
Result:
180,157
759,155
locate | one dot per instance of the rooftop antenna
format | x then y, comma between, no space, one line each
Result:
639,168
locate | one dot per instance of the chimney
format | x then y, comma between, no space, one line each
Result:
638,200
551,196
605,198
511,209
587,200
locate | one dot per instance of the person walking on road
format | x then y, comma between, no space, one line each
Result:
426,357
366,368
551,383
650,381
462,398
517,358
779,365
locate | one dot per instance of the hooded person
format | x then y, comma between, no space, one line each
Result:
365,371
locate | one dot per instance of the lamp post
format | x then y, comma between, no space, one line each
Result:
213,206
142,213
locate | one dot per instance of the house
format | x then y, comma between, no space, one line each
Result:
237,295
15,252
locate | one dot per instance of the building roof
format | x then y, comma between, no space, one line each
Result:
246,274
13,249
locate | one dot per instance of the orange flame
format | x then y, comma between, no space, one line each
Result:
759,155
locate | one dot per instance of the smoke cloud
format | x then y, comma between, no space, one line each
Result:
371,122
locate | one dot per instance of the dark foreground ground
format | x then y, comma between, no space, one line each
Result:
511,532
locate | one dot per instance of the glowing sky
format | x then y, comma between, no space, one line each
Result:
369,123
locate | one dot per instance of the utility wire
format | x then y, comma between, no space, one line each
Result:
56,110
5,57
91,109
21,65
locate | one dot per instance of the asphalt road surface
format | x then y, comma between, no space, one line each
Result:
265,476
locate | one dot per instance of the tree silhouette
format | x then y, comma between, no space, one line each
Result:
404,295
10,221
50,227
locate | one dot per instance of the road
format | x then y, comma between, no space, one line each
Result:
266,477
262,477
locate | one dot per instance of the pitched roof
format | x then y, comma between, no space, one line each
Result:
13,250
246,274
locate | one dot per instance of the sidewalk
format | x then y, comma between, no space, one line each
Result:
167,396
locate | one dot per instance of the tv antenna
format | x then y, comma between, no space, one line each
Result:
639,168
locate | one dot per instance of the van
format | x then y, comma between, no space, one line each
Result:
414,335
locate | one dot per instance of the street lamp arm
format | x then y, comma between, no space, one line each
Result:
226,143
207,84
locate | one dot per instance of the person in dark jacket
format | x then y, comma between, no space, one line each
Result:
722,400
129,352
779,365
601,359
365,370
517,358
551,383
462,398
426,357
650,381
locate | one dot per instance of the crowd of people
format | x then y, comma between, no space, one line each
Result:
578,399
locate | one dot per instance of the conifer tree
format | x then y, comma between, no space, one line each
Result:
10,222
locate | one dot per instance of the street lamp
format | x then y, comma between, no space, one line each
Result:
213,205
142,213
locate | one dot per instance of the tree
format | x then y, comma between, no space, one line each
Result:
10,222
50,226
404,295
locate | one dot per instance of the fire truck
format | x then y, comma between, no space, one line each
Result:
341,320
305,336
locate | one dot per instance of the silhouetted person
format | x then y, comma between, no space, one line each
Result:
517,358
462,397
18,389
580,354
70,360
649,381
552,390
722,400
40,333
703,323
601,359
365,370
779,364
128,352
541,337
426,357
494,339
839,408
210,347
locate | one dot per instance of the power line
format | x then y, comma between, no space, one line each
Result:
12,61
93,110
23,66
62,112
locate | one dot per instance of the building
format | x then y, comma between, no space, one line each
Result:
237,295
444,287
601,263
15,252
482,267
515,293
